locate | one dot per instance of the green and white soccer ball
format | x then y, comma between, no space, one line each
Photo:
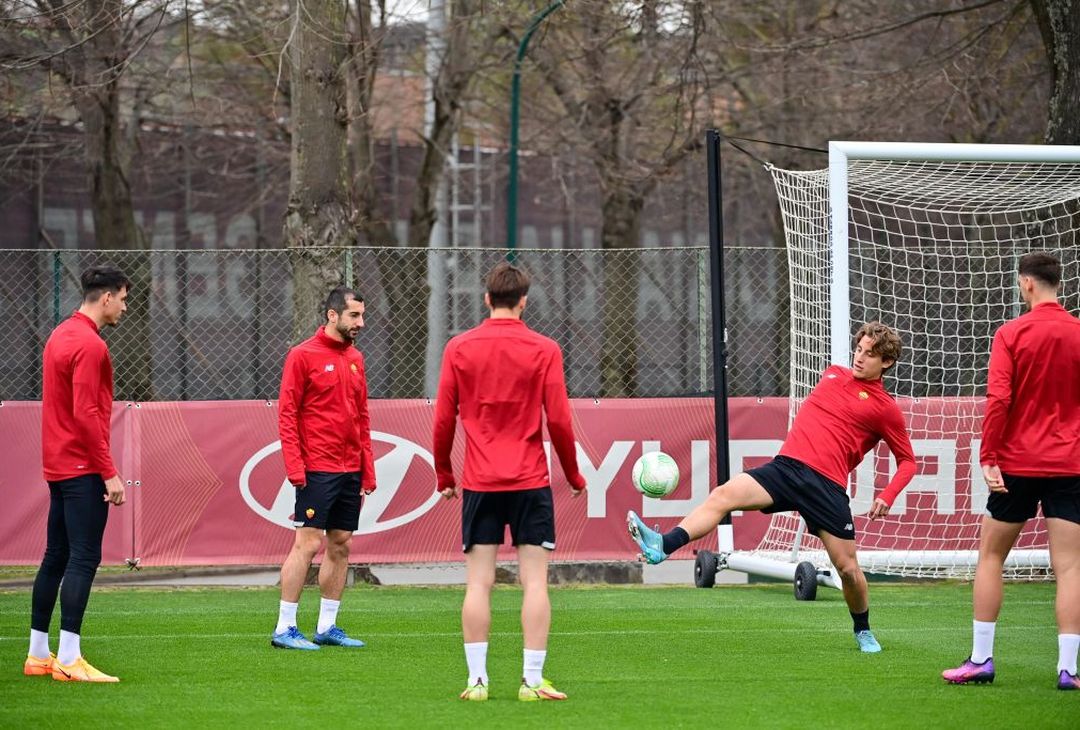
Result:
655,474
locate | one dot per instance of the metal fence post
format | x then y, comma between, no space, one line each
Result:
56,287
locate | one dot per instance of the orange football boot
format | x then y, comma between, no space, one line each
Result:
79,671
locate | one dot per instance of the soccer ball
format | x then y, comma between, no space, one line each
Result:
655,474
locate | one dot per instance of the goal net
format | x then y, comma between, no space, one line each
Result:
927,239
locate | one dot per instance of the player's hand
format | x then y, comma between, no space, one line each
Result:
992,477
299,485
367,492
575,493
878,509
449,492
114,491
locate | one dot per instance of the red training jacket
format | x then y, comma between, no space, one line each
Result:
1032,421
842,419
499,376
76,402
323,411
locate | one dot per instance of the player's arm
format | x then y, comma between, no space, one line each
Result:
998,402
444,426
367,458
86,375
293,379
896,437
559,420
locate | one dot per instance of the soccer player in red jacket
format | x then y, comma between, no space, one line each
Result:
1030,454
846,414
76,411
326,442
501,378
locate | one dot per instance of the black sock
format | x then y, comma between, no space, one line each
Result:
674,540
862,620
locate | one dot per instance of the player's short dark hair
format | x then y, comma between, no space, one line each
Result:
506,285
1042,266
338,298
887,343
97,280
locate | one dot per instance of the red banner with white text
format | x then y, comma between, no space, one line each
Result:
208,485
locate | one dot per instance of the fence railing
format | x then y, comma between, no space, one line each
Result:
216,324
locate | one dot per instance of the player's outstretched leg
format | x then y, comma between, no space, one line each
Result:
542,691
971,673
650,542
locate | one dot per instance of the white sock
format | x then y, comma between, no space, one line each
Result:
982,645
69,649
327,614
286,616
1067,647
476,658
39,644
534,666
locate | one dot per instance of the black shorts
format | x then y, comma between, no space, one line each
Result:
329,501
1060,497
530,513
795,486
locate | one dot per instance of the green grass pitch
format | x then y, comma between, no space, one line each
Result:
640,657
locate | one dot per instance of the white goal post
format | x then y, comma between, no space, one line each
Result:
926,238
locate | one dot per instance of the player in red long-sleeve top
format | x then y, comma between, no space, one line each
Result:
76,410
1030,454
846,414
501,378
326,441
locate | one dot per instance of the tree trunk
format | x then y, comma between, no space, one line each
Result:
1059,23
96,90
317,222
621,230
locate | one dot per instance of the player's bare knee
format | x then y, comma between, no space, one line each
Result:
338,550
480,583
849,570
307,545
719,498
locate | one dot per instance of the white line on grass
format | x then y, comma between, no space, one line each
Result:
613,632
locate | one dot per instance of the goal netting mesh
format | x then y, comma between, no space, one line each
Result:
932,251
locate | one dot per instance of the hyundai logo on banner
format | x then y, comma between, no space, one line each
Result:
390,472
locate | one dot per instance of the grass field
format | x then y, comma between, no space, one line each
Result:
628,657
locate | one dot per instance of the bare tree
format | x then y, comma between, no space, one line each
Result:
1059,24
92,46
634,97
318,223
470,41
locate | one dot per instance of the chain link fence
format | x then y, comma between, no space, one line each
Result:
216,324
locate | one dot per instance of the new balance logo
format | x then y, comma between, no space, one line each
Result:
849,526
329,368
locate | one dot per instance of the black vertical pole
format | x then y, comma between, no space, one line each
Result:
719,323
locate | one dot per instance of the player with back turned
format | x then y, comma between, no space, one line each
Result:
1030,455
502,379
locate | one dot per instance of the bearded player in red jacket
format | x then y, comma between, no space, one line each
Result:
846,414
326,442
